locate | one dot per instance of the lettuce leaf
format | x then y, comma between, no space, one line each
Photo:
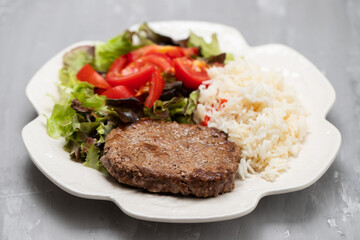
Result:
107,53
229,57
149,36
83,124
59,123
179,109
92,157
207,50
75,59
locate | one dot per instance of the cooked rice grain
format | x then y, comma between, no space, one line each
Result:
262,115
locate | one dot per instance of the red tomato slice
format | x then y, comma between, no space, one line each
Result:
129,69
170,51
137,73
118,65
192,51
156,59
136,54
157,84
191,72
133,80
119,92
88,74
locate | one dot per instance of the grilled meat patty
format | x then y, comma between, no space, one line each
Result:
169,157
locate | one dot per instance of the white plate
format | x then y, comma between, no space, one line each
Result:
320,148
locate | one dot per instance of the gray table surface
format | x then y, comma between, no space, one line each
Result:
326,31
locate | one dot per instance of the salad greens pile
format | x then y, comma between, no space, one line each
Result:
84,118
80,116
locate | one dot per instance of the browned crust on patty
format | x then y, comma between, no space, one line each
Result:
169,157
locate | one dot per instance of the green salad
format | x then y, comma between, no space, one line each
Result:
131,76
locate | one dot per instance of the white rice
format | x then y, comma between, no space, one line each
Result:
262,115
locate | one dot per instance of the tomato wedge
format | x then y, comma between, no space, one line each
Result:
118,92
170,51
88,74
161,61
157,84
136,54
191,51
118,65
133,80
191,72
137,73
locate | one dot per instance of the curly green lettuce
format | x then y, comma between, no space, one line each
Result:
208,50
106,53
179,109
80,115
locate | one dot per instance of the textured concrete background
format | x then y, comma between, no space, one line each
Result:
325,31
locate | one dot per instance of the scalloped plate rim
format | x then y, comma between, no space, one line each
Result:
218,217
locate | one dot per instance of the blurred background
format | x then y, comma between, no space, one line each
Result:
327,32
